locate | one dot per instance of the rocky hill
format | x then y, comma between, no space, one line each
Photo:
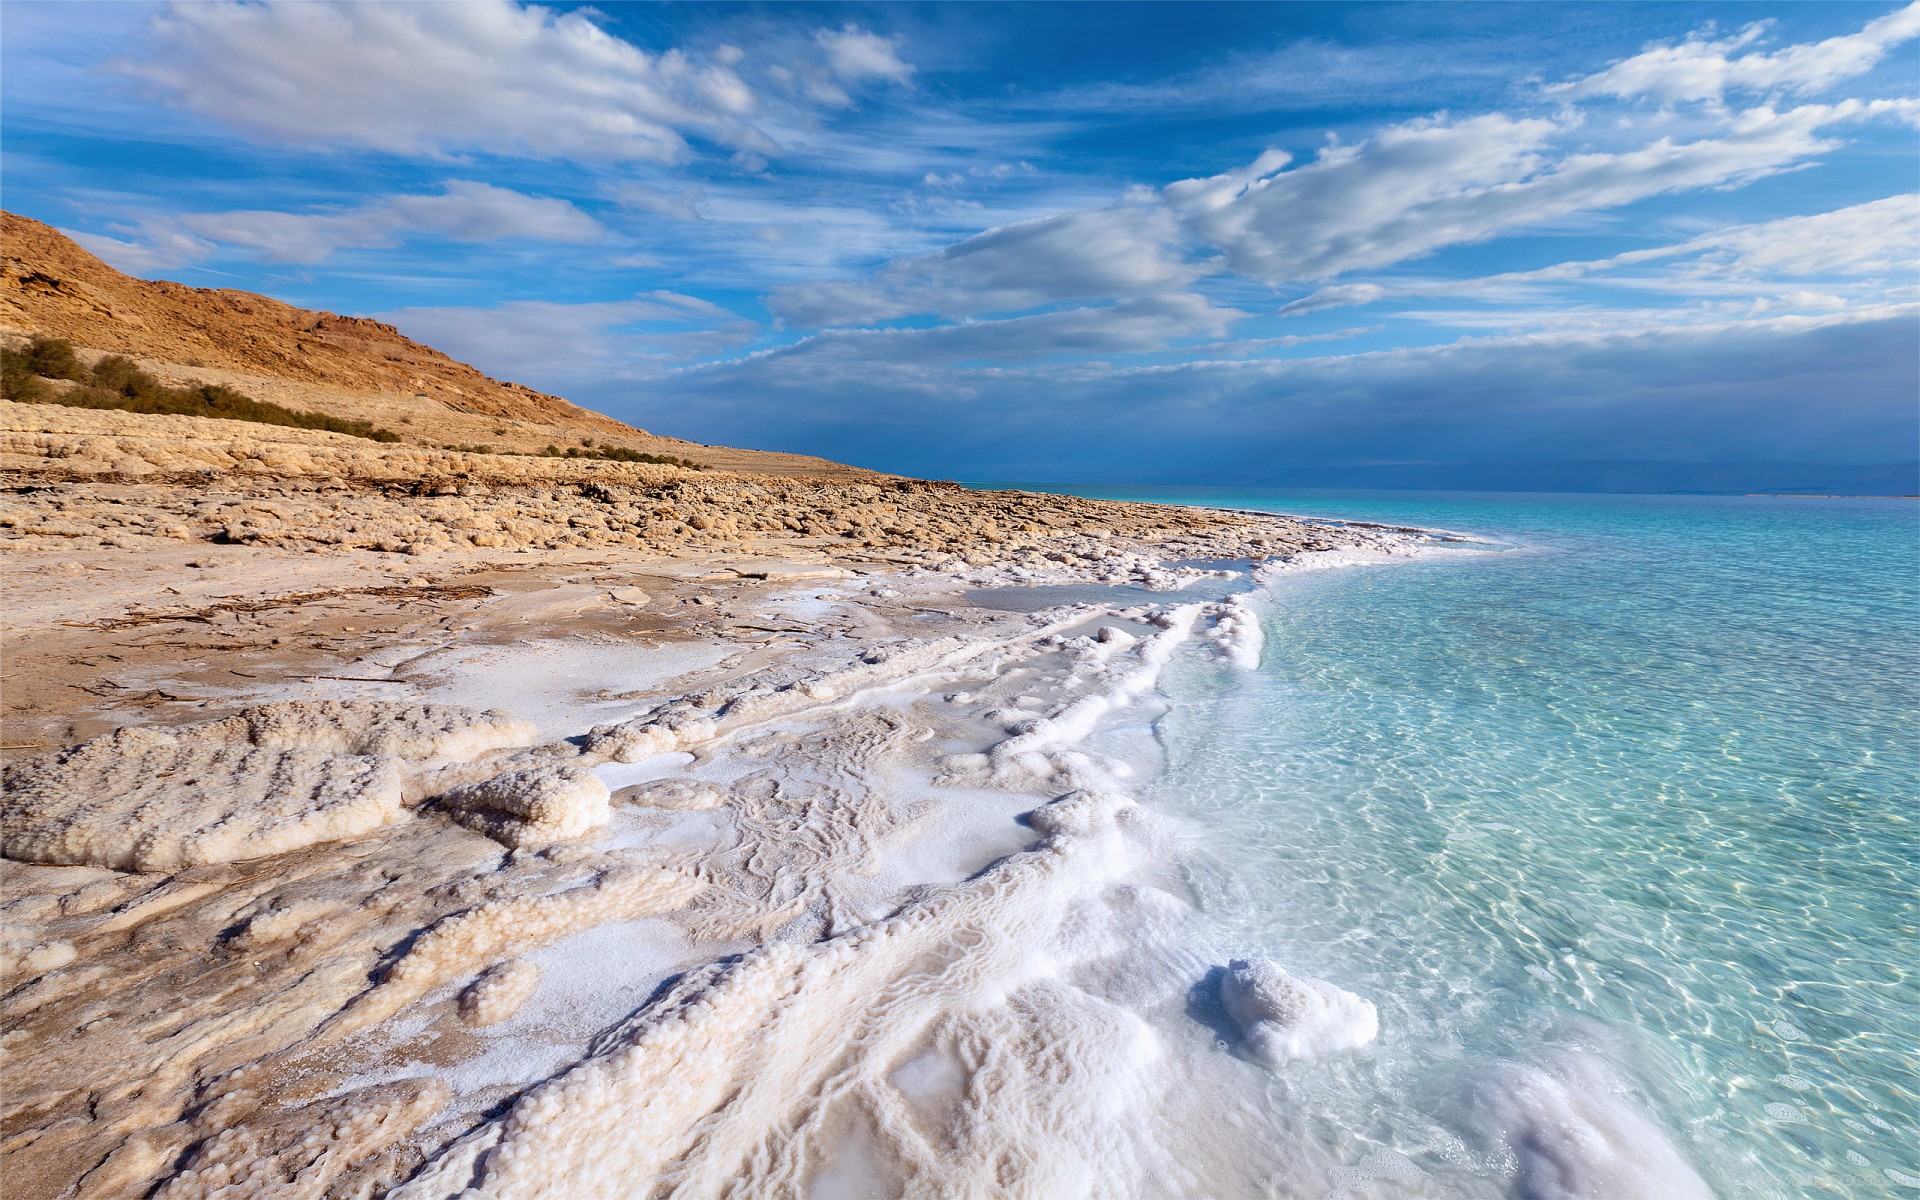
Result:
349,367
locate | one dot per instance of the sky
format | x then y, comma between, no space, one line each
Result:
1180,243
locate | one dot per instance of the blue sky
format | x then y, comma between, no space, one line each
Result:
1182,243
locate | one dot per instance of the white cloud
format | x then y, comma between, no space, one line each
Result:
1877,239
465,212
1427,184
157,249
567,346
1705,70
683,204
1094,254
441,78
1137,326
856,56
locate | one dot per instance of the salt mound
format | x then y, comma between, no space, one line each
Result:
1573,1131
533,807
265,781
381,727
499,992
1286,1016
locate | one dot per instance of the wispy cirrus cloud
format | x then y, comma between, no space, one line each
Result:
581,343
1879,239
1706,69
463,211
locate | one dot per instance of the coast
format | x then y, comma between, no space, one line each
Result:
543,827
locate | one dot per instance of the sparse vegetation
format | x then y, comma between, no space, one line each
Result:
621,454
117,383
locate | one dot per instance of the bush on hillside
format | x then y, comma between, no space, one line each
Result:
54,358
19,382
621,454
117,383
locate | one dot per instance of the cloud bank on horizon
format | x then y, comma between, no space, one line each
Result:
1167,243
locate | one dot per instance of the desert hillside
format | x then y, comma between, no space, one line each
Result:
347,367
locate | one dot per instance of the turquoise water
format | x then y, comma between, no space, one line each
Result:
1644,787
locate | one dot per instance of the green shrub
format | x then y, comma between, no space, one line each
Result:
116,383
54,358
18,381
621,454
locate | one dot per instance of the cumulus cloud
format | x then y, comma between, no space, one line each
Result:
1094,254
856,56
481,75
464,212
1703,69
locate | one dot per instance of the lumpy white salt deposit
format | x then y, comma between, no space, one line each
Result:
266,781
1286,1016
1575,1132
1236,631
533,806
499,992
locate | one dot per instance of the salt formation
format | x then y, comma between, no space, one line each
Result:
1286,1016
1236,630
1031,758
1573,1131
788,1034
376,727
484,934
499,992
23,957
678,794
266,781
294,1157
533,806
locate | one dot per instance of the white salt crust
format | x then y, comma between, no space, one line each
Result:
695,1082
266,781
532,807
1286,1017
1574,1131
499,992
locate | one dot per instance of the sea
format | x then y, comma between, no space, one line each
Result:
1618,825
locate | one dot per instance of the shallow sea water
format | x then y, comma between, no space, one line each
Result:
1644,788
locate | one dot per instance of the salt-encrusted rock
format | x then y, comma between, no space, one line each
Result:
144,800
533,807
499,992
681,794
1286,1016
265,781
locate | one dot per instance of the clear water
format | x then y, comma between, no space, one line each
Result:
1652,779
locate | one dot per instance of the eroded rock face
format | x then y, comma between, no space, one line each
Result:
269,780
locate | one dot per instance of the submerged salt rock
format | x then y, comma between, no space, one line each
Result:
267,780
1573,1130
1286,1016
499,992
532,807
